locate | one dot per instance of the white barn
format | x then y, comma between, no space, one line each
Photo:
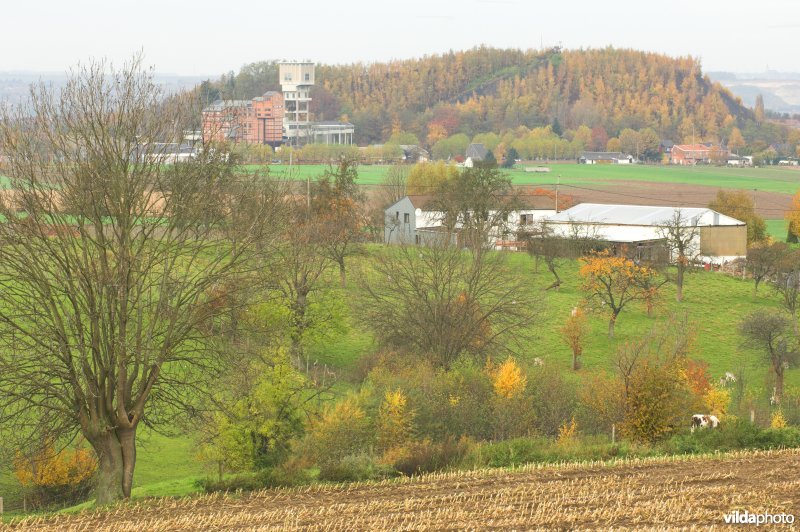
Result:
720,238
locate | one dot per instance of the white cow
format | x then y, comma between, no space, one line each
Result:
704,421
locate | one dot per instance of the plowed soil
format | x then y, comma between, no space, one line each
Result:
637,494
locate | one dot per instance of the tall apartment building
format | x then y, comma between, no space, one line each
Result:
256,121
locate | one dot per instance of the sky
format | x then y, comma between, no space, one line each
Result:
204,37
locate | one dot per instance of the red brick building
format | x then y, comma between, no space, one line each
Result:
686,154
256,121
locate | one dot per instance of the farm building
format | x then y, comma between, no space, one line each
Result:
687,154
415,220
719,238
605,157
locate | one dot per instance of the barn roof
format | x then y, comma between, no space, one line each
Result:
639,215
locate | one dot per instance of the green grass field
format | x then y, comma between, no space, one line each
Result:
782,180
714,303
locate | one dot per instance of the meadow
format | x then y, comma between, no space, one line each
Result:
714,304
783,180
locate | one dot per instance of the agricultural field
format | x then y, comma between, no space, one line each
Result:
692,186
640,493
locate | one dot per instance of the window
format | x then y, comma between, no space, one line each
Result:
397,215
405,218
308,76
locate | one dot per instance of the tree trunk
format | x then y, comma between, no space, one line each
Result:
679,283
342,273
116,457
109,469
611,323
576,363
779,384
127,442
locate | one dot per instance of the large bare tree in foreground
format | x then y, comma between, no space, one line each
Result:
110,263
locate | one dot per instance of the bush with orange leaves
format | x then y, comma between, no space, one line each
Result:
56,477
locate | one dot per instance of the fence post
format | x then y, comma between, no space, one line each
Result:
1,507
613,434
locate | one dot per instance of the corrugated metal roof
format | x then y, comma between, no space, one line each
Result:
642,215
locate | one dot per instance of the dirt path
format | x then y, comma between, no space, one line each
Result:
638,494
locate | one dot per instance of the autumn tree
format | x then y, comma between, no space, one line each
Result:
774,334
613,281
736,141
759,109
648,394
681,236
425,178
574,333
337,208
739,204
793,215
109,263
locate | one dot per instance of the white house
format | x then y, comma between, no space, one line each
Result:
415,220
719,238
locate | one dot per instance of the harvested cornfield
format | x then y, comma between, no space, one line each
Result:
645,493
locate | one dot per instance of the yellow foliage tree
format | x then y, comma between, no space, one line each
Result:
395,421
567,431
509,380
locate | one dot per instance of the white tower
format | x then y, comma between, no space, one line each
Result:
296,79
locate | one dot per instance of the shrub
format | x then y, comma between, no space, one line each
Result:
425,456
344,430
732,435
267,478
778,421
56,477
353,468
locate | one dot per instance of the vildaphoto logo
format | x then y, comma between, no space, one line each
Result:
748,518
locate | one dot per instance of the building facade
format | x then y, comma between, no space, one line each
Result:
688,154
256,121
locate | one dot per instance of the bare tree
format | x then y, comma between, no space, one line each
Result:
681,235
765,260
109,265
773,333
787,284
443,302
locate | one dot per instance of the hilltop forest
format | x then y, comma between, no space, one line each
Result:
486,90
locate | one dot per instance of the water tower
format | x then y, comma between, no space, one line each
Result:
296,78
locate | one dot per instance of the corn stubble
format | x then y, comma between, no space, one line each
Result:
636,493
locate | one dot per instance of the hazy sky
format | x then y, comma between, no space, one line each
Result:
199,37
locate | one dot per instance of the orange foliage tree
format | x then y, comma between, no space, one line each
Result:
614,281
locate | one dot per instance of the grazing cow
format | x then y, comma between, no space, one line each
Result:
704,421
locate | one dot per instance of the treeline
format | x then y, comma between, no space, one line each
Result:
494,90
